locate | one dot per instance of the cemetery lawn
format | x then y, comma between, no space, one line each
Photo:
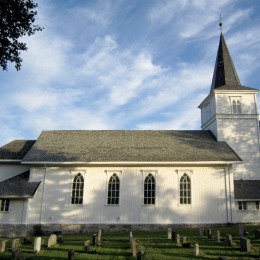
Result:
155,245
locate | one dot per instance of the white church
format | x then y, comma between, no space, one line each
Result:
77,181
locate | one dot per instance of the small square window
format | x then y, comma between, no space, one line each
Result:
4,205
242,205
257,205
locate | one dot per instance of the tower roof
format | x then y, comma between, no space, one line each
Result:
225,72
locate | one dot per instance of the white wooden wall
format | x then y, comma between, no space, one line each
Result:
209,196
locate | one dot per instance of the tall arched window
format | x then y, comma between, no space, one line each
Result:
185,189
77,189
234,107
239,109
113,190
149,189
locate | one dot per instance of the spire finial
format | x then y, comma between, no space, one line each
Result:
220,23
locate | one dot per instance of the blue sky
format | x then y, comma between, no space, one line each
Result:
124,64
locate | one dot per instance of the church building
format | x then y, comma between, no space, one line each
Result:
77,181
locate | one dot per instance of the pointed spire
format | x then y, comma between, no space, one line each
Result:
225,72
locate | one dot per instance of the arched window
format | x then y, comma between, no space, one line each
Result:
185,189
149,189
236,106
77,189
113,190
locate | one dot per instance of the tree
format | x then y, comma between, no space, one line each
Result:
16,20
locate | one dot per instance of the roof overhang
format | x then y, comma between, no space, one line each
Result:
197,163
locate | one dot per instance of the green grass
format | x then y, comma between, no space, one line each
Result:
155,245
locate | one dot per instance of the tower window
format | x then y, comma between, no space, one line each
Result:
236,105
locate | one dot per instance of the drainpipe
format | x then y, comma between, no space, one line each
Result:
230,195
40,219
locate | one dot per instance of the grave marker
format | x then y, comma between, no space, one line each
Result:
99,236
169,234
130,236
217,236
228,240
177,239
37,244
257,233
52,240
133,247
241,229
15,243
201,231
70,254
94,239
196,250
87,245
209,233
173,235
3,245
245,244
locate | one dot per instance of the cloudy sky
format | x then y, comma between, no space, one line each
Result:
124,64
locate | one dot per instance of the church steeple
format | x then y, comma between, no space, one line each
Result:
225,72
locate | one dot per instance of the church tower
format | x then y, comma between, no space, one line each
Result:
230,112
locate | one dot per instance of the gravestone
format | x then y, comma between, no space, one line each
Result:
241,229
87,245
99,236
245,244
94,240
15,254
133,247
130,236
173,235
15,243
228,240
3,245
217,236
52,240
196,250
37,244
184,240
139,254
27,240
201,231
209,233
169,234
222,258
257,233
178,239
70,254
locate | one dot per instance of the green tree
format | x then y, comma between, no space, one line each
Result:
16,20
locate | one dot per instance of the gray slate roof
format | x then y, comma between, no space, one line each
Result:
129,146
247,189
18,187
16,149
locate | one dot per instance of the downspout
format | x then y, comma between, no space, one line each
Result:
40,219
230,195
226,193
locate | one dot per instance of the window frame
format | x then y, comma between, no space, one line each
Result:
185,189
180,173
77,193
113,200
74,174
257,205
236,105
242,205
5,205
149,190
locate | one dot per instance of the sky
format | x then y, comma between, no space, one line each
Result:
124,64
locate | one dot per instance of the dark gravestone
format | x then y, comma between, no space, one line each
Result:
222,258
245,244
186,245
139,254
173,235
94,239
257,233
15,254
228,240
71,254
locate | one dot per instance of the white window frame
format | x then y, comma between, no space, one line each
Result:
145,174
109,174
242,205
238,108
257,205
180,173
74,173
3,204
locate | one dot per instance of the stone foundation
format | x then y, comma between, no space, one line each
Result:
47,229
